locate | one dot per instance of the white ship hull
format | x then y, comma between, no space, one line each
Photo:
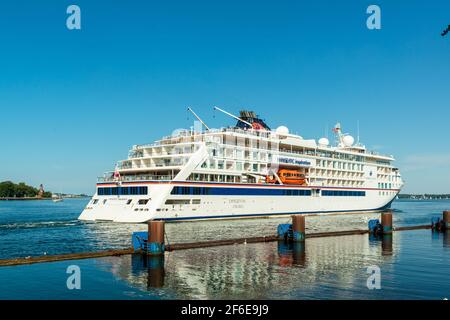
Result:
230,204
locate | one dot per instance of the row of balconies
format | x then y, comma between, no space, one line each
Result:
389,178
329,176
161,152
336,183
174,162
229,153
141,177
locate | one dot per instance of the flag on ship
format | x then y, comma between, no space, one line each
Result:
337,128
116,173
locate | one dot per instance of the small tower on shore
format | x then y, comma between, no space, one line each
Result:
41,191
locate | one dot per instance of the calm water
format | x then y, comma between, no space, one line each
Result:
414,264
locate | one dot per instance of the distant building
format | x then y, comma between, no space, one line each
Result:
41,191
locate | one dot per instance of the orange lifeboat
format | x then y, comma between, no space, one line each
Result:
288,177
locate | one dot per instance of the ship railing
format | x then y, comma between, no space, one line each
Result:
190,133
136,178
176,152
177,163
259,133
166,141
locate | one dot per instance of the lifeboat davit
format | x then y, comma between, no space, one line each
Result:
288,176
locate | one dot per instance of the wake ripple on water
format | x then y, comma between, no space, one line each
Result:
38,225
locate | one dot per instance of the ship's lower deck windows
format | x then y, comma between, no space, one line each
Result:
108,191
345,193
178,201
239,191
297,192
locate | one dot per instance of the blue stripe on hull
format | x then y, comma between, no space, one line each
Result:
216,191
230,191
245,185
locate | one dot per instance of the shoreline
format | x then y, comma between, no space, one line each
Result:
23,199
38,199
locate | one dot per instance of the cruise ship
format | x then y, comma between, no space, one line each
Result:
243,171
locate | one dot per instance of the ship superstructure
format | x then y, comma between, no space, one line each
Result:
247,170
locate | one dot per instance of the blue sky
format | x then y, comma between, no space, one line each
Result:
74,102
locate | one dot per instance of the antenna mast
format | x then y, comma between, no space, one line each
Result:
233,116
357,138
198,118
338,132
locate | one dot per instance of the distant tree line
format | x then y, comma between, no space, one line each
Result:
424,196
9,189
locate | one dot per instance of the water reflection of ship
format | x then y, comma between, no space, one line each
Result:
153,266
138,270
292,253
441,236
254,270
386,243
